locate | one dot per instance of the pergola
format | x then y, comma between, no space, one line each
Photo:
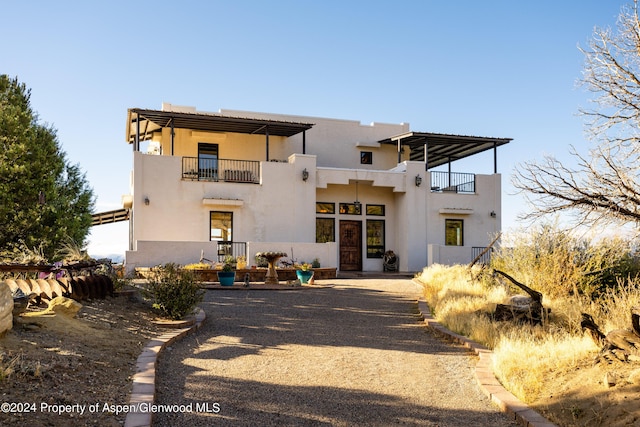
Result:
142,123
436,149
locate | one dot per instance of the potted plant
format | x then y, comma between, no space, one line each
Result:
241,262
304,273
227,276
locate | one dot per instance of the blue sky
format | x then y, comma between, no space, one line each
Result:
486,68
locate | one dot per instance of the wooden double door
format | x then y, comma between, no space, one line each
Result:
350,245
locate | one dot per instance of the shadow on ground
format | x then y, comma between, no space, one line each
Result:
246,323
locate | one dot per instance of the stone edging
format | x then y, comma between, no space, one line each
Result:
487,381
144,380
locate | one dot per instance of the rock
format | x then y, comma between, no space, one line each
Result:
6,309
610,380
634,377
64,306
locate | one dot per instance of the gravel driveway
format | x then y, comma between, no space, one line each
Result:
354,354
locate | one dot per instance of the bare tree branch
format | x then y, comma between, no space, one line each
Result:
604,186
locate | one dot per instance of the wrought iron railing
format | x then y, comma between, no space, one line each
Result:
234,249
454,182
228,170
485,258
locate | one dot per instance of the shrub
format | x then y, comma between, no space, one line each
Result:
174,292
556,263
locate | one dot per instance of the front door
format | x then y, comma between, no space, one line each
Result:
350,245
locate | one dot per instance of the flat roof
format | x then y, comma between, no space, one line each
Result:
443,148
149,121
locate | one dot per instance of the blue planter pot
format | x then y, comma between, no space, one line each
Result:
304,276
226,278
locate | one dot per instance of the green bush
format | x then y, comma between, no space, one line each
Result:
173,291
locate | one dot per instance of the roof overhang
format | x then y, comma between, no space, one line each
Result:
443,148
110,217
145,122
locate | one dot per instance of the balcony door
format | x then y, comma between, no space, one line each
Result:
207,161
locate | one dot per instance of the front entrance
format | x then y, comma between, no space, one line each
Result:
350,245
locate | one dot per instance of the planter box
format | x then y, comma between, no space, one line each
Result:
255,274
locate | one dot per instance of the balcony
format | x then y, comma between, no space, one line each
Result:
453,182
226,170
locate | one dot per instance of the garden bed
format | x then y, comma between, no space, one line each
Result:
255,274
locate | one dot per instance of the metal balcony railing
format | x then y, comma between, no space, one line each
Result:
234,249
227,170
485,258
454,182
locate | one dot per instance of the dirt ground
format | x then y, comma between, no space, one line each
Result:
53,368
581,398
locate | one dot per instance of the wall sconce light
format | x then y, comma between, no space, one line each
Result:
493,214
146,201
418,180
305,175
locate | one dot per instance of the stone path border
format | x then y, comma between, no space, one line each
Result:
144,380
487,381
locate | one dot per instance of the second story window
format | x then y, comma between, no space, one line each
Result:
366,158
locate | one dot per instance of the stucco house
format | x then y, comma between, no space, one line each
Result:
238,182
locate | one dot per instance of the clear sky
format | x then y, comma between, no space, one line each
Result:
499,68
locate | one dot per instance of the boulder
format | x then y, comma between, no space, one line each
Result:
64,306
6,308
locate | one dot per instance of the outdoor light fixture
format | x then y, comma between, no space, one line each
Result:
418,180
146,201
492,214
305,174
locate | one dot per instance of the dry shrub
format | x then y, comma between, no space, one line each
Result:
460,303
558,264
524,355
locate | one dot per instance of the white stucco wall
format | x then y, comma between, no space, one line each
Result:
279,212
336,142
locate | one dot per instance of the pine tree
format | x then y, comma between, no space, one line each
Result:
44,200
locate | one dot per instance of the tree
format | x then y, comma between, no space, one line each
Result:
604,187
44,200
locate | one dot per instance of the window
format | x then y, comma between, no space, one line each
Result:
366,157
377,210
375,238
351,208
325,230
325,208
221,226
208,161
453,232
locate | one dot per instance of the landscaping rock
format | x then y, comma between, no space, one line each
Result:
64,306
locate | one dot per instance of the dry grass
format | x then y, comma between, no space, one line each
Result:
524,356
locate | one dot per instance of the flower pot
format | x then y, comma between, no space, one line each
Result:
304,275
226,278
